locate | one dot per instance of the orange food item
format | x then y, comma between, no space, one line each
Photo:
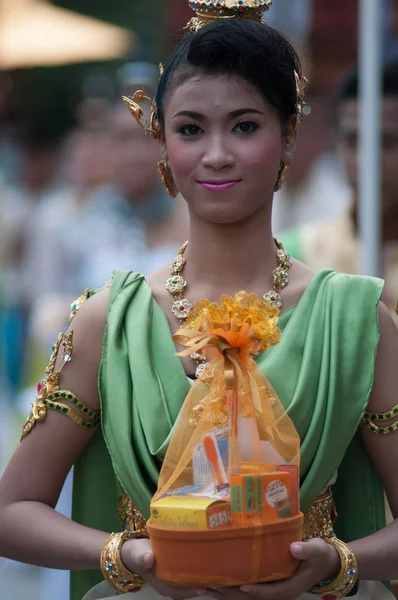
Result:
276,496
190,513
265,497
295,486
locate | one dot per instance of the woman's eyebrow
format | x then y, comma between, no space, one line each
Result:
235,113
189,113
244,111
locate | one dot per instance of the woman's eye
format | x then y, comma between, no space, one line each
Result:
189,129
246,127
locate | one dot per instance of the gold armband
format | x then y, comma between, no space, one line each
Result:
348,576
370,418
112,567
39,413
51,397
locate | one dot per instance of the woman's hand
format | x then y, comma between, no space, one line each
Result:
318,562
138,558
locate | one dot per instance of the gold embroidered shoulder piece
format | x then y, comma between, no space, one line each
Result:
76,305
50,396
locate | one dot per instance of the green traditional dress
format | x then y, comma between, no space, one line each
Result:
322,371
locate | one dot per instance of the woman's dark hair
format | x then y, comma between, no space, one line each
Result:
236,47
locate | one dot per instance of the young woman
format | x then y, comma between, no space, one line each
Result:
228,106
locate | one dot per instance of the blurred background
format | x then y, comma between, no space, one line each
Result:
79,190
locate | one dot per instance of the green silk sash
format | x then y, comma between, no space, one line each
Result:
322,371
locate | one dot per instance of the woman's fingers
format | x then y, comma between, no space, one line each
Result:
137,556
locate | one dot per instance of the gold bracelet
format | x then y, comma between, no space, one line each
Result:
112,567
370,418
348,576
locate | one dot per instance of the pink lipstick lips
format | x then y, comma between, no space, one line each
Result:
218,186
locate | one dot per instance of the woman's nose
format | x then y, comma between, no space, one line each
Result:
218,155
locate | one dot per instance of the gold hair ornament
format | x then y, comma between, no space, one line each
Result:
302,108
208,11
133,104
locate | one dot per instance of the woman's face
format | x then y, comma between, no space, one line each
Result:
224,144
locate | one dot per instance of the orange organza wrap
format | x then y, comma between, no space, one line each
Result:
232,398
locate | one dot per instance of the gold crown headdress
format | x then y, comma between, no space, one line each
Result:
208,11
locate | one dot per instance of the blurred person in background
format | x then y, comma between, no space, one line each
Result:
37,173
9,155
13,309
335,243
165,218
316,187
72,220
137,179
111,212
80,229
39,147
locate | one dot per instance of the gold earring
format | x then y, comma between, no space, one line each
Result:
281,177
167,178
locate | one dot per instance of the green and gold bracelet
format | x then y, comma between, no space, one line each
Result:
370,418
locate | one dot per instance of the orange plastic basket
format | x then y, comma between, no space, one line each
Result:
240,556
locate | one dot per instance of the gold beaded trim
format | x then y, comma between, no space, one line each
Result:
130,517
370,418
112,567
348,576
319,520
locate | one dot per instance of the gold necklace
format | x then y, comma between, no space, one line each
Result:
182,306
